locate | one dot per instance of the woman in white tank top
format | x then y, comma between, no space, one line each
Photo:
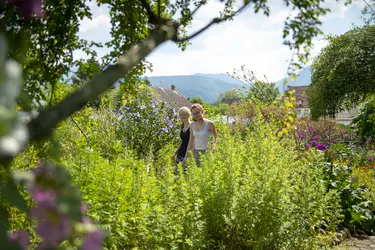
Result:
200,133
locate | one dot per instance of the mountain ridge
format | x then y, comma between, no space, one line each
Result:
210,86
197,85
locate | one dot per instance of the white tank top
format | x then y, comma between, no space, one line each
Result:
201,138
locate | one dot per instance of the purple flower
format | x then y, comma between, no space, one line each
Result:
321,147
53,229
21,237
346,135
317,137
307,146
314,143
370,159
93,241
27,8
265,134
46,202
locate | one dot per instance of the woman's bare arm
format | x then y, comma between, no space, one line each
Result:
213,130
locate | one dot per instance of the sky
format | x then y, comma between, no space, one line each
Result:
250,39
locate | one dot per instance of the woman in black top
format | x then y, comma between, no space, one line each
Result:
180,153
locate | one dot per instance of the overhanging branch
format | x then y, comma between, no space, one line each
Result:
203,2
214,21
47,120
152,17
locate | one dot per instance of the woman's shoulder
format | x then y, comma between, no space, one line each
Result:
208,121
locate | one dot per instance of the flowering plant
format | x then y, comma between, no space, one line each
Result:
57,208
146,124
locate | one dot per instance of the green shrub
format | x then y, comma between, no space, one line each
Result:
253,193
365,120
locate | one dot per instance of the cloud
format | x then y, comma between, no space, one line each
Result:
100,21
250,39
254,40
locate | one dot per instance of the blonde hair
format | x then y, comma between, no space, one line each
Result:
197,106
185,109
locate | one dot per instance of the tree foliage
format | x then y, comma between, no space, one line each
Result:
365,120
196,99
231,94
44,47
343,74
257,90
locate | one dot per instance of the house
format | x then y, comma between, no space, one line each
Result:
303,110
346,116
171,96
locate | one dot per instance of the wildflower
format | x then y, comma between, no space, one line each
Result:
321,147
21,237
307,146
46,201
370,159
317,137
346,135
53,229
265,134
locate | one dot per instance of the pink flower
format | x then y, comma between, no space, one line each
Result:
21,237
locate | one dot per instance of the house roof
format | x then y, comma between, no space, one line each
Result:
301,96
172,96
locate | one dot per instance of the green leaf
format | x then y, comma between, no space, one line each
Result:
11,194
4,240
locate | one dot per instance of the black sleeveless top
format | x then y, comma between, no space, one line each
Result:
185,141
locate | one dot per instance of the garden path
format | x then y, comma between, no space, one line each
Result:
357,243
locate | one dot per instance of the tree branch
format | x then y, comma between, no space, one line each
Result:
153,19
203,2
214,21
42,126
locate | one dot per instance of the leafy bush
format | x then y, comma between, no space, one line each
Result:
320,134
351,171
365,120
252,194
145,124
348,167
